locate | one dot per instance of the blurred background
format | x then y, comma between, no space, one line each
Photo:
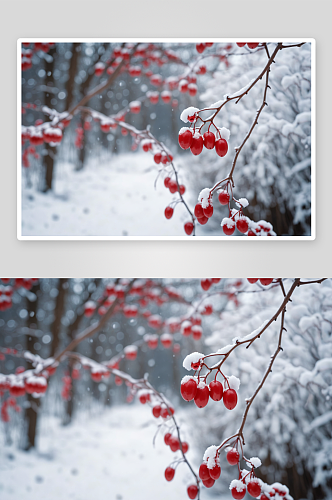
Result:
92,184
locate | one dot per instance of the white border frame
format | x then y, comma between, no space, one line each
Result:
169,238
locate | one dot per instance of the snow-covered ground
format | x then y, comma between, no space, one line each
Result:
116,198
109,456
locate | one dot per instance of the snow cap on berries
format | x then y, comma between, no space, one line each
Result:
194,357
186,379
228,222
256,462
211,457
225,133
234,383
280,488
188,112
237,484
242,202
204,197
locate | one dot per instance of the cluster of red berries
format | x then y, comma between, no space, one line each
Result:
200,47
196,389
263,281
250,45
192,138
27,52
208,282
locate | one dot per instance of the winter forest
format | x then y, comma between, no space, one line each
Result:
165,139
166,388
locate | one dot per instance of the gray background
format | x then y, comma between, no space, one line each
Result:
172,18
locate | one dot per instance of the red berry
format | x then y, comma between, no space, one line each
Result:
192,88
169,212
223,198
172,186
206,284
215,280
202,220
157,158
197,144
182,189
264,497
174,444
252,45
215,472
169,473
197,332
240,44
251,233
265,281
208,483
208,211
192,491
204,472
198,211
216,390
200,47
233,456
238,495
209,140
167,437
254,488
185,447
185,138
252,280
221,147
189,227
228,226
189,389
242,224
230,399
166,181
202,396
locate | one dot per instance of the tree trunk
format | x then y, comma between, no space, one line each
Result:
49,157
31,412
58,314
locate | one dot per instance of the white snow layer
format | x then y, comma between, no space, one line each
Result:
188,112
194,357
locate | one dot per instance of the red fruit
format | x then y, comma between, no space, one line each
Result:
166,181
117,380
202,396
221,147
208,211
251,233
185,447
233,457
200,47
172,186
169,212
228,226
130,352
169,473
240,44
157,158
182,189
223,198
197,332
264,497
192,491
174,444
198,211
135,107
265,281
215,472
167,437
105,127
166,412
252,280
189,390
192,88
185,138
230,399
242,224
208,483
206,284
197,144
156,410
36,139
204,472
252,45
209,140
238,495
195,366
166,96
254,488
216,390
166,340
202,220
201,70
189,227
